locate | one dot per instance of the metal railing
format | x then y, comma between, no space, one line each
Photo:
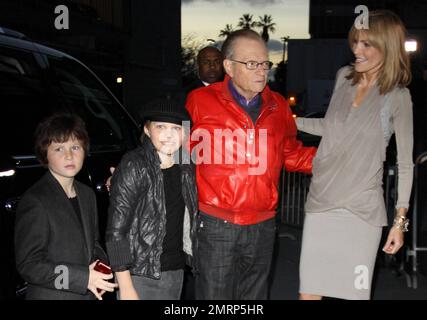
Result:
294,189
293,196
414,248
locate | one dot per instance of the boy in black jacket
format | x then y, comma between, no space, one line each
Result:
56,231
153,205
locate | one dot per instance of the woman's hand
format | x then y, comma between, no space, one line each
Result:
394,241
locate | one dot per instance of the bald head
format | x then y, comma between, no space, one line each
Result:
228,47
209,62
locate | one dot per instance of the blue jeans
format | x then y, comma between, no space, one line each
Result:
233,261
168,287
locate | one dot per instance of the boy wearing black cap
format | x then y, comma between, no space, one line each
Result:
153,205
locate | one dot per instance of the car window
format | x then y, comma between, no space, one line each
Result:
81,92
24,101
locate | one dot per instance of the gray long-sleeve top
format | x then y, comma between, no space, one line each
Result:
354,135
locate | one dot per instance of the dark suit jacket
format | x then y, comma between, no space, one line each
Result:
52,247
192,86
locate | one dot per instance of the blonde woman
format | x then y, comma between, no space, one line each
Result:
345,210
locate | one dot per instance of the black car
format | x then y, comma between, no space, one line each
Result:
36,81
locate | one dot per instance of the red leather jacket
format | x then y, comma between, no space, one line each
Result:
237,177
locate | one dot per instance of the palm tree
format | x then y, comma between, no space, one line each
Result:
226,31
267,25
285,47
246,22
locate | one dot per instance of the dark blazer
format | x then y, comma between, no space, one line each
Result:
50,241
192,86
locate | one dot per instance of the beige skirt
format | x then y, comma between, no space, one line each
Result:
338,255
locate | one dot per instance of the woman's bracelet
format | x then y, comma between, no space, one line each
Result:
401,223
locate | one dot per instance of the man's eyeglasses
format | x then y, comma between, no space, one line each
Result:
253,65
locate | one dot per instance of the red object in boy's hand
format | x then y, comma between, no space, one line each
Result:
103,268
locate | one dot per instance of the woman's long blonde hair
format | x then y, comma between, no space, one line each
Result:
387,33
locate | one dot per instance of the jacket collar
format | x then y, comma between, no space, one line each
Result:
255,101
266,95
148,147
58,194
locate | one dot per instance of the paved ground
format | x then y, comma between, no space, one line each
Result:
388,284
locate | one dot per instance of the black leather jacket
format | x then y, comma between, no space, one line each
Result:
136,222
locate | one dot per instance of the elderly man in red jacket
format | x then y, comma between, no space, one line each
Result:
242,135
